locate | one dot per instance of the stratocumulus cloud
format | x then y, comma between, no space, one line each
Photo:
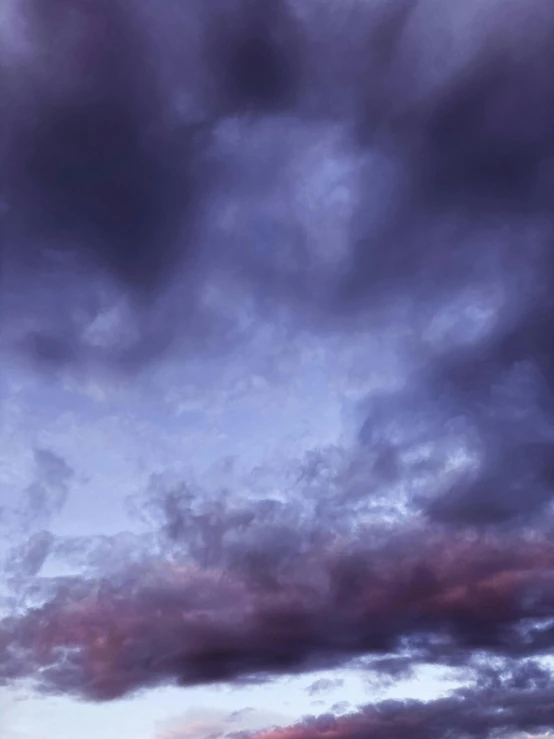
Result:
424,597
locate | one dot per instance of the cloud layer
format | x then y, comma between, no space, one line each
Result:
515,702
423,598
176,178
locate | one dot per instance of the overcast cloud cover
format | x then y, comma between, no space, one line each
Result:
276,322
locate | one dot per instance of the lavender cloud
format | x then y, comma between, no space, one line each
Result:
47,494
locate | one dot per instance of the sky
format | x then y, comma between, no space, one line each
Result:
276,395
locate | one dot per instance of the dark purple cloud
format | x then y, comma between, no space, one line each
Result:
114,167
426,597
254,51
96,172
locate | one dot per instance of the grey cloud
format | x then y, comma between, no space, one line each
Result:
469,712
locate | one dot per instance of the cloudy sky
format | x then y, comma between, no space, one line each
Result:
276,361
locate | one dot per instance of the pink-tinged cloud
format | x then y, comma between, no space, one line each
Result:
205,723
185,625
